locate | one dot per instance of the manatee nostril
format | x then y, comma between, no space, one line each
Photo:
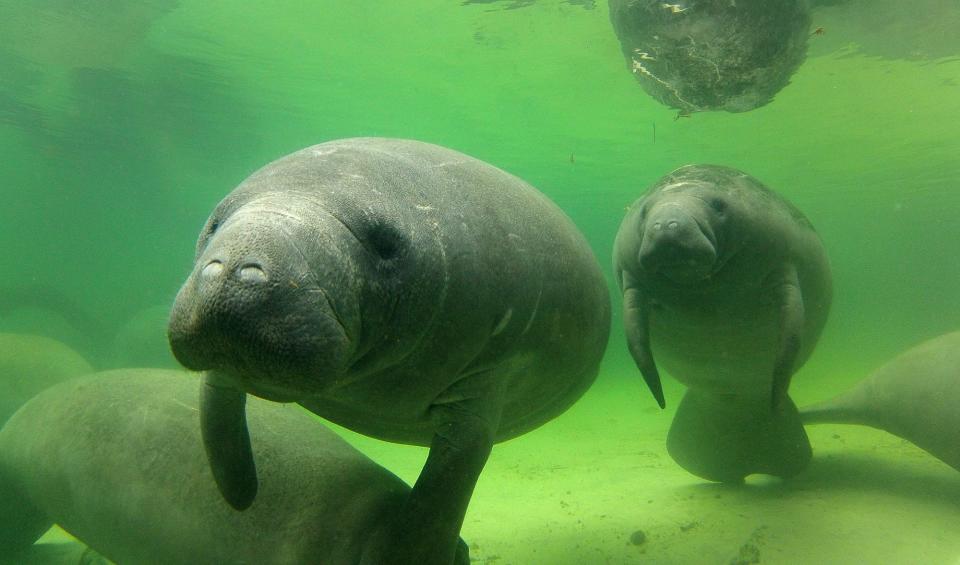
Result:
212,269
252,273
673,224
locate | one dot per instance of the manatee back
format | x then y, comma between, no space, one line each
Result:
116,459
499,276
31,363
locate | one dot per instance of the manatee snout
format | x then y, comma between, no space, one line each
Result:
253,308
676,244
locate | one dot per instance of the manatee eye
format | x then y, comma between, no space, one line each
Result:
718,205
212,225
386,241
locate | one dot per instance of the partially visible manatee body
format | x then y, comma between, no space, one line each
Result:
60,553
699,55
915,396
727,286
403,290
116,459
31,363
142,341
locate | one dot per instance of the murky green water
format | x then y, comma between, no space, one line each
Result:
123,123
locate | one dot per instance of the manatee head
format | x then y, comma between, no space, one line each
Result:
682,229
272,303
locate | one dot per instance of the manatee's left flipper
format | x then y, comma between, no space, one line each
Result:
223,426
636,325
427,528
790,302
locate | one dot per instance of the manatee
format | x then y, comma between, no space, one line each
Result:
726,286
47,311
31,363
915,396
116,460
141,341
400,289
700,55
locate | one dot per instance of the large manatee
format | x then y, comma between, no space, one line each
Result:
915,396
727,286
400,289
116,459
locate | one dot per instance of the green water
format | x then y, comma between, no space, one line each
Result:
122,123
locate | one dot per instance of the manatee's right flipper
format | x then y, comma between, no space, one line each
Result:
636,325
426,529
223,426
726,438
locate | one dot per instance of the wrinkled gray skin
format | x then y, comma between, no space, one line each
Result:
915,396
700,55
726,286
116,459
400,289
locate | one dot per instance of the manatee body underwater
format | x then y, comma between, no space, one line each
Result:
726,286
702,55
915,396
400,289
116,459
31,363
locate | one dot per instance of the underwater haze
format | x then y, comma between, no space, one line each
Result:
123,123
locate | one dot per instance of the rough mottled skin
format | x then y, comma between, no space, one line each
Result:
403,290
915,396
701,55
116,459
726,286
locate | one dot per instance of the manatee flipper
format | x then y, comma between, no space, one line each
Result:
465,419
724,438
223,426
791,329
636,325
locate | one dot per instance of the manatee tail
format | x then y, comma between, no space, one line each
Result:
724,438
833,411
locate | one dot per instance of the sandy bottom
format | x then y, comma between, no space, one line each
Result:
578,490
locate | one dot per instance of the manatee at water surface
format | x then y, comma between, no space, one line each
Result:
727,286
400,289
699,55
